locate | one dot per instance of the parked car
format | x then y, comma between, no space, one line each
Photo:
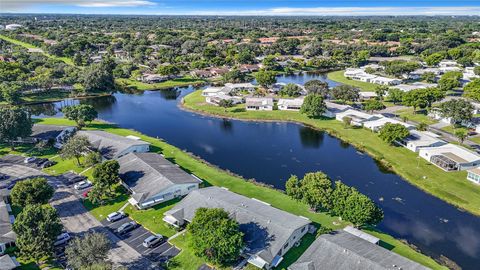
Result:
127,227
28,160
82,185
62,239
112,217
3,176
47,163
153,241
85,194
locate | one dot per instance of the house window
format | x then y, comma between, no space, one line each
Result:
303,229
286,246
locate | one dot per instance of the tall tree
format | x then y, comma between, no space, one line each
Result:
87,251
472,90
450,80
215,236
75,147
106,174
373,105
31,191
461,134
15,122
313,106
99,77
317,87
345,93
393,132
317,190
361,210
459,110
291,90
37,228
265,78
80,113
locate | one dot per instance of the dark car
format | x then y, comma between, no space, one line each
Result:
127,227
47,164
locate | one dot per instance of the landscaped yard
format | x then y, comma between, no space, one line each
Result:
338,77
419,116
217,177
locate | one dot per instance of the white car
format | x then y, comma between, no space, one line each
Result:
112,217
152,241
62,239
82,185
29,160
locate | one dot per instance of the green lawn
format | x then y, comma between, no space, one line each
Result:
30,46
418,117
218,177
179,82
338,77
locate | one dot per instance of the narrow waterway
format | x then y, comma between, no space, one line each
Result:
271,152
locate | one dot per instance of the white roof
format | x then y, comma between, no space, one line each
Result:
212,89
422,138
413,86
384,79
365,236
354,113
290,102
382,121
368,94
337,107
454,152
259,101
239,85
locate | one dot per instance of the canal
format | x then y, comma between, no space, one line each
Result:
271,152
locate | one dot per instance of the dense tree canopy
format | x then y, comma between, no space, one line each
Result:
215,236
88,250
391,133
459,110
80,113
31,191
75,147
345,93
15,122
313,106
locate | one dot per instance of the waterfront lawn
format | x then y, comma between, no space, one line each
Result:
451,187
338,77
218,177
419,116
179,82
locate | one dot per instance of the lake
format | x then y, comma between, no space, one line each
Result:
271,152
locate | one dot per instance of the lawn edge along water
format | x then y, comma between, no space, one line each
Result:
214,176
451,187
338,76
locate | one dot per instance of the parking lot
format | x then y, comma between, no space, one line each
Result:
135,238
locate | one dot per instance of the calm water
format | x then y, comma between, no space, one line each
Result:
271,152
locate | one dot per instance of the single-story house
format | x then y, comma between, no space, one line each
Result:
215,99
58,134
450,157
276,87
359,74
7,235
469,74
385,81
342,250
112,146
8,263
269,232
259,104
418,73
474,175
367,95
333,109
448,63
288,104
233,87
153,78
358,117
376,124
152,179
413,86
212,91
420,139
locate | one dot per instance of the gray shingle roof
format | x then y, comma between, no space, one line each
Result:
7,263
109,145
147,174
266,228
6,232
344,251
46,132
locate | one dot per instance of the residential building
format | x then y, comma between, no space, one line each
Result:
450,157
359,74
448,63
342,250
376,124
414,86
269,232
469,74
8,263
234,87
7,235
112,146
289,104
58,134
418,73
367,95
153,78
215,100
357,117
385,81
333,109
474,175
421,139
13,26
213,91
152,179
259,104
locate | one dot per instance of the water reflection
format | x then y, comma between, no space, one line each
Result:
226,125
310,138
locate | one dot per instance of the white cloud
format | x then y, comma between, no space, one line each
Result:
119,3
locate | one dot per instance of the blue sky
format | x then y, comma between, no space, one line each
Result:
245,7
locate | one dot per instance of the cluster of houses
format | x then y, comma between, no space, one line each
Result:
405,84
269,232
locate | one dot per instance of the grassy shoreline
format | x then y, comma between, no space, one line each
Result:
451,187
214,176
338,77
179,82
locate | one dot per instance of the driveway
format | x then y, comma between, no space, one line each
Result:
135,238
77,220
